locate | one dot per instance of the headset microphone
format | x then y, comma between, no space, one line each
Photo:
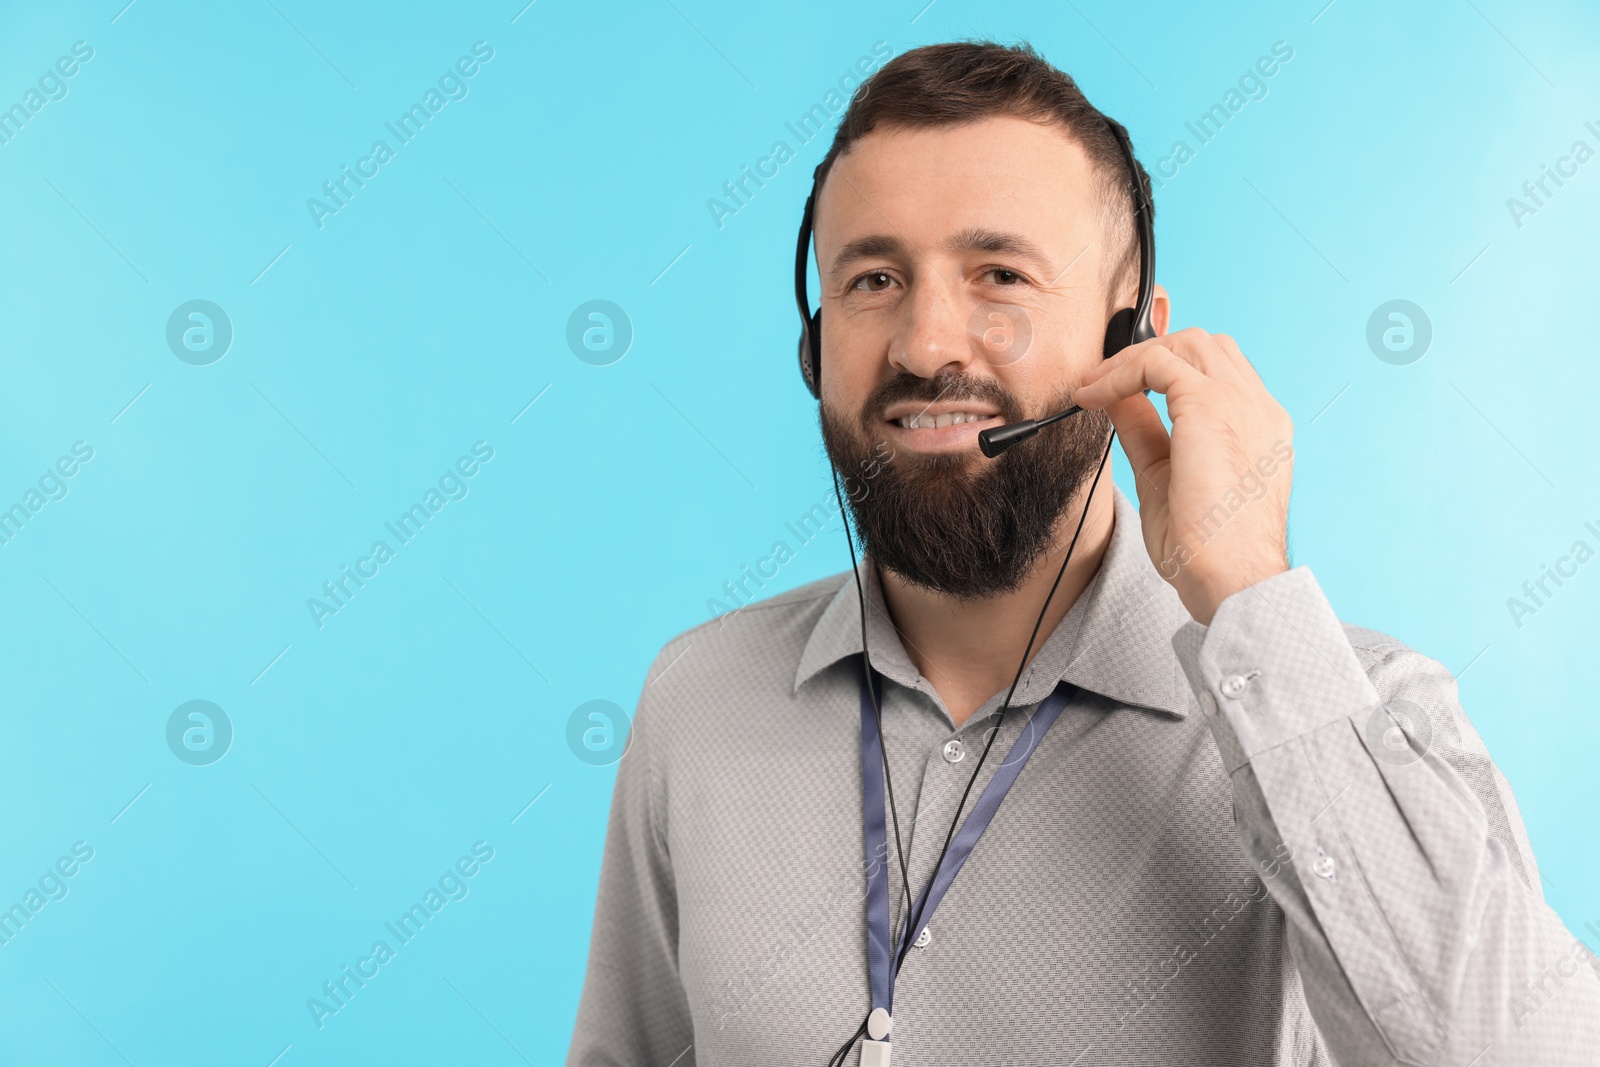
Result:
993,442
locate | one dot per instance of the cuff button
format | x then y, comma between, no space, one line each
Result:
1235,684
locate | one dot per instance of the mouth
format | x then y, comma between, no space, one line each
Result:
941,427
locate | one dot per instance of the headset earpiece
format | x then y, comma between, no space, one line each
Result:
1119,333
811,353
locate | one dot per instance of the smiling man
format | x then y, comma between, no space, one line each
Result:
1049,778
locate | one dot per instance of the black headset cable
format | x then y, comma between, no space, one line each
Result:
1006,704
906,940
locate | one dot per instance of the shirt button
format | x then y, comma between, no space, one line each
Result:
1233,685
1323,865
953,751
923,938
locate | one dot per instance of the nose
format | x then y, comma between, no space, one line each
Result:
932,332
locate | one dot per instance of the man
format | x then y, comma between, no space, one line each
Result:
1237,831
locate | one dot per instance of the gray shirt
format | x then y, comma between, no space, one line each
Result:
1273,840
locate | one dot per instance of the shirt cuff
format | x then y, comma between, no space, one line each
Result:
1274,665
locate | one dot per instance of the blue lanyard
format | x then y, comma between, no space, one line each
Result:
879,954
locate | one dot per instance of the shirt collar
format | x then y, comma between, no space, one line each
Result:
1116,640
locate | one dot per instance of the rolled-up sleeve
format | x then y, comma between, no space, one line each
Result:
1392,843
633,1011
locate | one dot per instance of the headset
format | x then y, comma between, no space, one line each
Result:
1127,326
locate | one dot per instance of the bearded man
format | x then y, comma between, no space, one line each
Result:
1048,778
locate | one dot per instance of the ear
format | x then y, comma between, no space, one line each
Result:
1160,310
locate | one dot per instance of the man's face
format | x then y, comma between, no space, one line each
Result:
963,287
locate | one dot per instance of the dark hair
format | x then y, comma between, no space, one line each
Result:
959,82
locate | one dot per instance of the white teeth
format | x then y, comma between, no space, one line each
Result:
929,422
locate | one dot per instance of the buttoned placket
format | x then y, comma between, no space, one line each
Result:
947,767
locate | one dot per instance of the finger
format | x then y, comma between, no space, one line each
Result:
1202,351
1192,345
1149,365
1241,363
1143,435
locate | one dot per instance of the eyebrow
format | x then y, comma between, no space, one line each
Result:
972,239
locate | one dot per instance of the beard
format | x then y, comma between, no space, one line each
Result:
959,523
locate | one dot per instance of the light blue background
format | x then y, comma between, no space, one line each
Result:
427,714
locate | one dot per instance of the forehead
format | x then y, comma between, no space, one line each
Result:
998,173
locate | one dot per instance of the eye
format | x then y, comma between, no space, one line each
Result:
1004,277
875,281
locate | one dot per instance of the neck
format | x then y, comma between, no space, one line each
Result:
969,649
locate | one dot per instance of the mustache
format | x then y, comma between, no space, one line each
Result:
949,385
